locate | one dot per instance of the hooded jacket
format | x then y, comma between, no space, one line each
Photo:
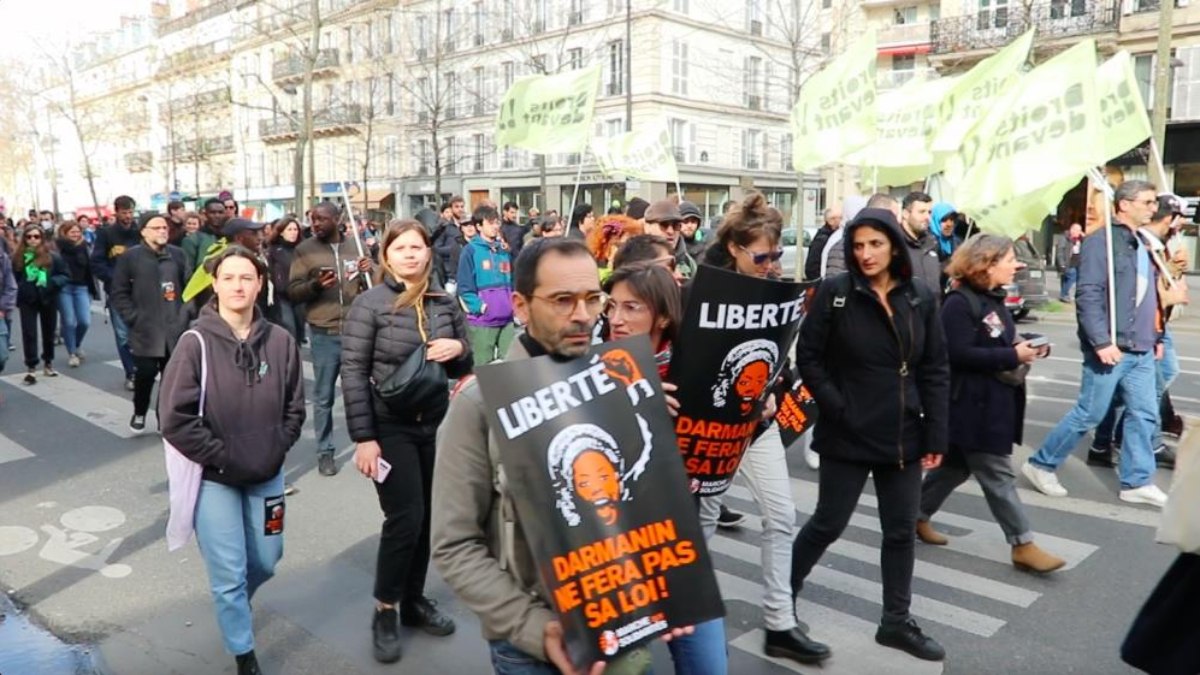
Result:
945,245
882,383
812,262
485,282
376,340
254,408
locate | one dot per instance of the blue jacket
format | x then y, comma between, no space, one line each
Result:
485,282
1091,298
8,284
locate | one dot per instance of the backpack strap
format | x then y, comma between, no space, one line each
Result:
974,302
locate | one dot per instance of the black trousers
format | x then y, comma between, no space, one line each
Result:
31,318
405,496
146,370
899,494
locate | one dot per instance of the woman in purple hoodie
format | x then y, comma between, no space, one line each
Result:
253,413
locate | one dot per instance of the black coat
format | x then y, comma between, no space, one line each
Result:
986,415
882,384
812,263
138,292
1165,637
376,340
29,294
279,261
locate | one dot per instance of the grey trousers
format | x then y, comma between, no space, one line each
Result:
995,476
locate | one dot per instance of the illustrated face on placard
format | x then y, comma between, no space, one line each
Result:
751,382
597,483
746,370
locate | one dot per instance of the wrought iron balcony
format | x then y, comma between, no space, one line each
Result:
139,162
332,121
195,102
291,69
993,28
194,56
198,148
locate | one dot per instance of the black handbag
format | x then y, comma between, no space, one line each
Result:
419,386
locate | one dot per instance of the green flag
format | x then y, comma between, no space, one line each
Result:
908,118
201,279
549,113
644,154
1014,216
836,112
1123,117
977,90
1046,132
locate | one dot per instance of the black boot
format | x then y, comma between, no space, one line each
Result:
794,644
247,664
423,613
386,635
907,637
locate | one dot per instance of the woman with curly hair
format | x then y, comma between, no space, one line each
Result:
607,236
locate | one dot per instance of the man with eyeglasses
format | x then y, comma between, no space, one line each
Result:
485,288
478,545
147,291
1124,361
664,219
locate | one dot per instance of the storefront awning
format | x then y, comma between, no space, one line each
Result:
905,50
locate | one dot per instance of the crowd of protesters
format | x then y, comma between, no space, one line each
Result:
908,323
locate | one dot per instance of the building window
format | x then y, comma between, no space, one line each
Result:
451,163
575,58
614,127
576,14
935,12
510,74
680,6
785,153
1185,84
826,42
752,149
752,83
826,4
754,17
992,14
679,68
616,68
678,129
422,36
905,15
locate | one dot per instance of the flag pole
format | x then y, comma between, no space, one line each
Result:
1097,177
354,228
574,193
1156,155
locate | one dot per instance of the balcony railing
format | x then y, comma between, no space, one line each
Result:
327,122
198,148
192,18
994,28
188,104
292,68
195,55
139,162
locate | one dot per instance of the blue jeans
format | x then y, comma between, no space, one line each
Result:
239,555
3,344
327,365
507,659
75,308
121,333
1112,429
703,652
1069,277
1134,377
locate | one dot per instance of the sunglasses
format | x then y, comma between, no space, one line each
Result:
31,237
762,258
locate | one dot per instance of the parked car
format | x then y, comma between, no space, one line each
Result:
787,239
1031,278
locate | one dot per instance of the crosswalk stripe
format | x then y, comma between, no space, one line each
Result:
849,637
82,400
938,574
871,591
11,451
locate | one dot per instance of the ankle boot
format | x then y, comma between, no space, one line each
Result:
927,534
247,664
1030,558
385,635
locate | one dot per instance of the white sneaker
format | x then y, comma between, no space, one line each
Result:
1147,494
1046,482
73,361
812,459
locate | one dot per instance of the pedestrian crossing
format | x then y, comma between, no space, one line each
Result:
946,597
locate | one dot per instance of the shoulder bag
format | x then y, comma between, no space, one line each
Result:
419,385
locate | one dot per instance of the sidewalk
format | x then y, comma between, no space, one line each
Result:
1060,313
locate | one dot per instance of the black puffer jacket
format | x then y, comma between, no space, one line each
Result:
376,340
882,383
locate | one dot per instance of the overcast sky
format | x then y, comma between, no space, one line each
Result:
52,22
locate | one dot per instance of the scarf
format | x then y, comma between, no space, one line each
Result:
34,273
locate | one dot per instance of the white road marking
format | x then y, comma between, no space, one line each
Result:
11,451
94,406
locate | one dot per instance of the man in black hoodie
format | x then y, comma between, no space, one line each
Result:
147,291
511,228
111,243
812,263
915,214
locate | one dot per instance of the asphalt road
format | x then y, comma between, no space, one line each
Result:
83,508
